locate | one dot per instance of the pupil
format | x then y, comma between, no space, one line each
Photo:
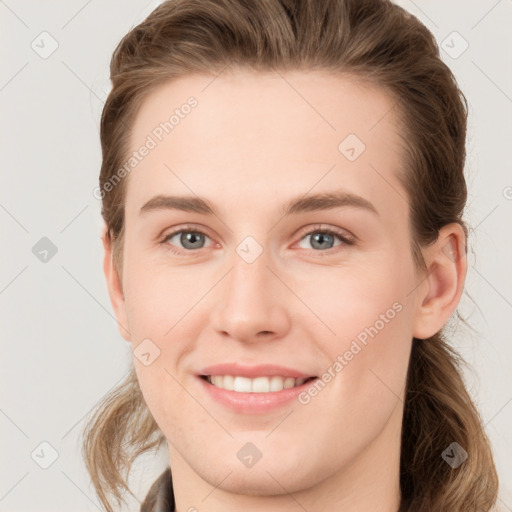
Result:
191,238
320,237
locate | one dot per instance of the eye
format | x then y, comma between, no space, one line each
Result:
322,240
190,238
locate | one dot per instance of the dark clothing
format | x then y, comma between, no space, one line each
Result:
160,497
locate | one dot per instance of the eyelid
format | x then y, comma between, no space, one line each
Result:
186,228
346,236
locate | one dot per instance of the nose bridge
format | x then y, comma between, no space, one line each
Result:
249,277
250,302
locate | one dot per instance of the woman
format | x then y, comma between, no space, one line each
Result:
282,373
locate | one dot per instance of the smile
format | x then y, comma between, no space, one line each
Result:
257,385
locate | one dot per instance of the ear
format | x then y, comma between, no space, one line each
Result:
440,292
114,285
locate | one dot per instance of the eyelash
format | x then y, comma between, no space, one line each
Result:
342,236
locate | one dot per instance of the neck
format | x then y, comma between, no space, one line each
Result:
371,481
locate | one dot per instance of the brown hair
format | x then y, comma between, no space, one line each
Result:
378,42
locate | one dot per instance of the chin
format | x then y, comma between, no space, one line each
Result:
252,482
270,476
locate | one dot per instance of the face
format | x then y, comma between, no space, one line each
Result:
270,329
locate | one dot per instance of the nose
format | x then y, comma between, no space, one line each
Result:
251,303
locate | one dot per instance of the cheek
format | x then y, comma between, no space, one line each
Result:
157,299
347,301
366,325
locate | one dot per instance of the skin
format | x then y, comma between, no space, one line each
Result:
252,144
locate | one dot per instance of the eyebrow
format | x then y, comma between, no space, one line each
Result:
302,204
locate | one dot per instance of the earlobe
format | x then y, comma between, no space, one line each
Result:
115,288
440,293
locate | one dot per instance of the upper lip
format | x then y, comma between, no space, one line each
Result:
260,370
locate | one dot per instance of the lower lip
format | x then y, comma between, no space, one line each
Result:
253,403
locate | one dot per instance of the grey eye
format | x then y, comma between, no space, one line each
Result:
321,239
188,239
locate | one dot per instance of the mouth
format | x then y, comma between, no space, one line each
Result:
263,384
253,389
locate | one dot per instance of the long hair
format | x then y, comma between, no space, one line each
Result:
378,42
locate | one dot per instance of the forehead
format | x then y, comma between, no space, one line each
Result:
256,133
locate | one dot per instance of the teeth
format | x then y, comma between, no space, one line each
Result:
242,384
257,385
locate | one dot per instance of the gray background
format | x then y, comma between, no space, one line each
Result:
61,351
